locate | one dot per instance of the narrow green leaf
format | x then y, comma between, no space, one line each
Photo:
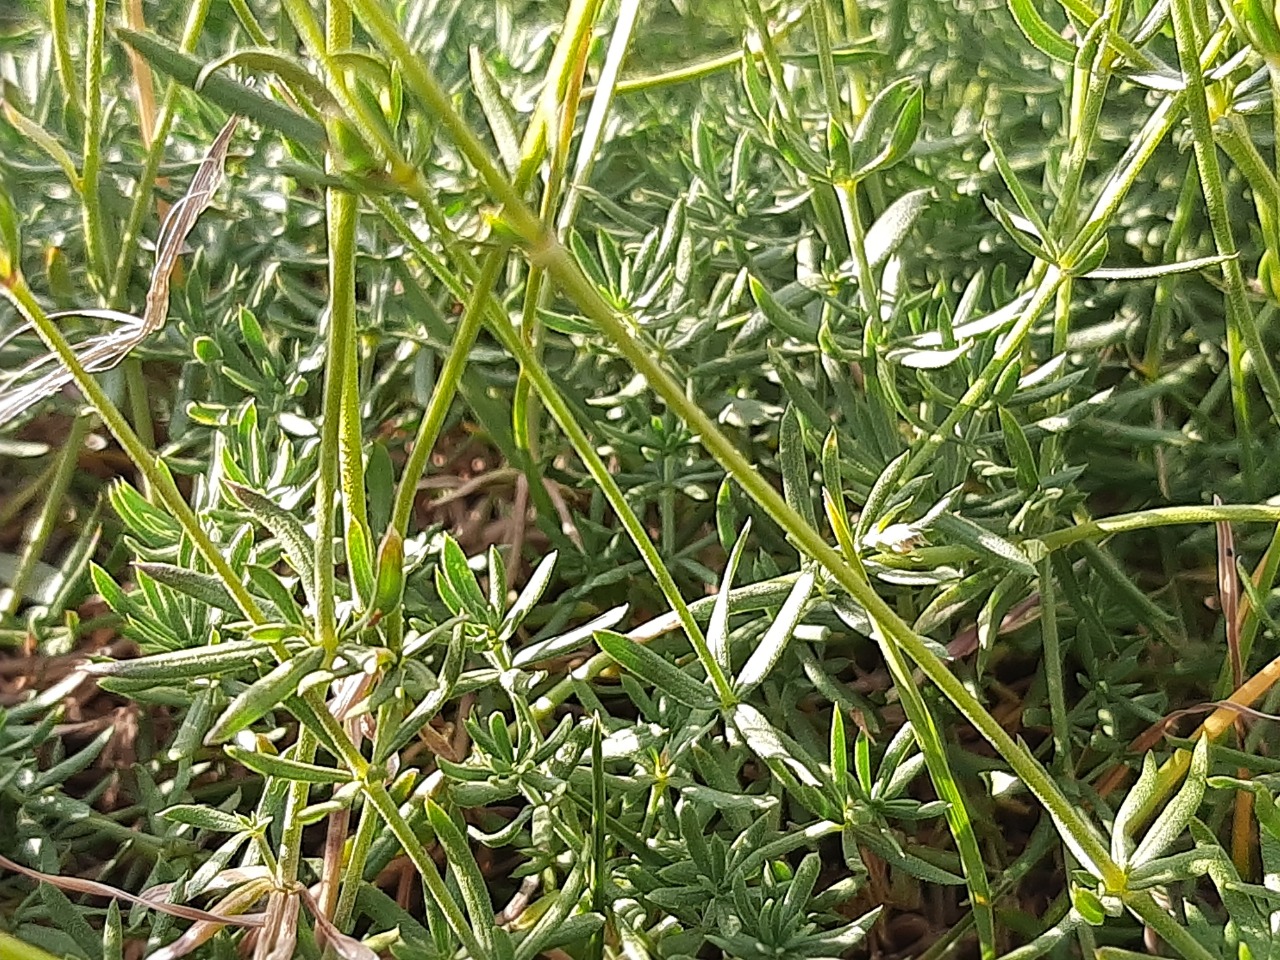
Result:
205,661
285,769
795,466
888,128
298,546
462,582
360,560
231,96
1019,450
1013,183
1042,36
496,108
891,228
961,530
1173,819
204,587
774,641
1158,271
569,640
264,694
770,744
471,882
529,596
265,60
718,627
205,818
1020,231
782,319
656,670
389,588
1139,795
839,754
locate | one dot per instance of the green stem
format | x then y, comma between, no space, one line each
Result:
446,389
1169,930
94,234
117,290
54,504
60,30
19,294
586,451
1242,330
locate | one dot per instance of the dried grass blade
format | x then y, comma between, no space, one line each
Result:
95,889
102,352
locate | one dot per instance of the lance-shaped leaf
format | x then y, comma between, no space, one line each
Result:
298,546
1173,819
264,694
207,661
774,641
656,670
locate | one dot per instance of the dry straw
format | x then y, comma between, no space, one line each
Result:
45,376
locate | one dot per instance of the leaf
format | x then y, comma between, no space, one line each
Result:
1013,183
475,892
285,769
1173,819
1139,795
298,546
1020,230
264,694
1019,450
887,129
204,587
529,597
205,818
388,590
1042,36
41,138
770,744
231,96
795,466
885,236
568,641
10,239
656,670
718,627
461,582
497,110
265,60
782,319
1158,271
360,561
964,531
205,661
774,641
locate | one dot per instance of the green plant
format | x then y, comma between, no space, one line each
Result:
762,337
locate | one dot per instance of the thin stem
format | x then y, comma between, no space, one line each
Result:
94,234
117,290
54,504
446,389
1242,330
60,30
586,451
